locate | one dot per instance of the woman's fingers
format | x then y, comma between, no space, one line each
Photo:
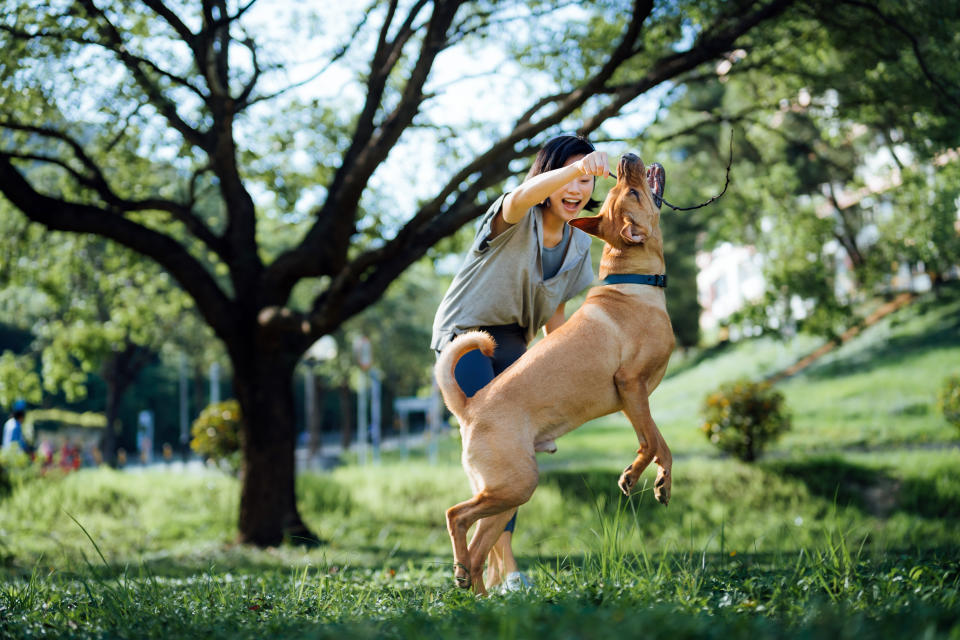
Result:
595,164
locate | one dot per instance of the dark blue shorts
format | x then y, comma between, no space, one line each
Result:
474,371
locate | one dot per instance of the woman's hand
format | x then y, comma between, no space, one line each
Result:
594,164
538,188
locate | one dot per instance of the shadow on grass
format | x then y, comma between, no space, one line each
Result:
873,491
596,488
700,356
238,561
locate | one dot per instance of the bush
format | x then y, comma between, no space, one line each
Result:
16,470
742,417
217,434
949,400
5,485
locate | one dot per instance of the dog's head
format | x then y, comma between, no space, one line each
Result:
629,222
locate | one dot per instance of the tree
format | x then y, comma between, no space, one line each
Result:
149,109
842,156
95,308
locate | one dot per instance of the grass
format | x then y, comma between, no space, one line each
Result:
846,529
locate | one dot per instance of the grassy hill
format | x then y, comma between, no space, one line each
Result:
878,390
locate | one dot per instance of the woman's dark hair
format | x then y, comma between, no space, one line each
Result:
555,153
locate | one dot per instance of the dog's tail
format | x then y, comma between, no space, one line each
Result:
453,395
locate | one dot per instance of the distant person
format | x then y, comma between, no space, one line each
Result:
13,428
69,456
525,263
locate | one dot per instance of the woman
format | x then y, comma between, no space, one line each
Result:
524,264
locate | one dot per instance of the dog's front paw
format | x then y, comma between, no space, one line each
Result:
661,488
627,480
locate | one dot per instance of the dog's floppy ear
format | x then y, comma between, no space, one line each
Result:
590,225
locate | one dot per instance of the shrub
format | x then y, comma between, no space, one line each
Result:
216,434
949,400
16,470
5,485
742,417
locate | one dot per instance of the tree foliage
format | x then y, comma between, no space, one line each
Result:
92,308
844,120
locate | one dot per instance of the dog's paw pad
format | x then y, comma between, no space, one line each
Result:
661,488
626,482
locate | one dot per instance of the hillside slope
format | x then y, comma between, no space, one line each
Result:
877,390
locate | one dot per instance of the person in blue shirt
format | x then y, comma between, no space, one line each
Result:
13,429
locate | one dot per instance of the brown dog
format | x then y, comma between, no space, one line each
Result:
610,355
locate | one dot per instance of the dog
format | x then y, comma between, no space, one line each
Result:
609,356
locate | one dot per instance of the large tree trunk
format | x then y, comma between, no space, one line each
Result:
268,508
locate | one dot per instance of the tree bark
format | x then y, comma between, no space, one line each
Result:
268,508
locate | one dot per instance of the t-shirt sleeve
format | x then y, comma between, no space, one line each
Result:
482,241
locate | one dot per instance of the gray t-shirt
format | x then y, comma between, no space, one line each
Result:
551,258
501,280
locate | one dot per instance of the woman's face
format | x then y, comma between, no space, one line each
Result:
569,200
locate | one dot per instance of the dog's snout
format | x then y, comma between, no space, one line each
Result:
630,163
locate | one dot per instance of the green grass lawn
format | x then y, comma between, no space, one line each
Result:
848,528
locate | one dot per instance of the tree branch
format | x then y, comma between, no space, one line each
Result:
361,282
325,245
897,26
337,55
174,21
711,43
116,44
96,181
62,215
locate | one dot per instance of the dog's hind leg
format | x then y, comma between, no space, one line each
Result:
515,484
636,406
485,537
486,506
459,520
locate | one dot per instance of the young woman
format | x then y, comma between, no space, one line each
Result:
524,264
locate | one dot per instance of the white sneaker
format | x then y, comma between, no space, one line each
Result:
515,581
